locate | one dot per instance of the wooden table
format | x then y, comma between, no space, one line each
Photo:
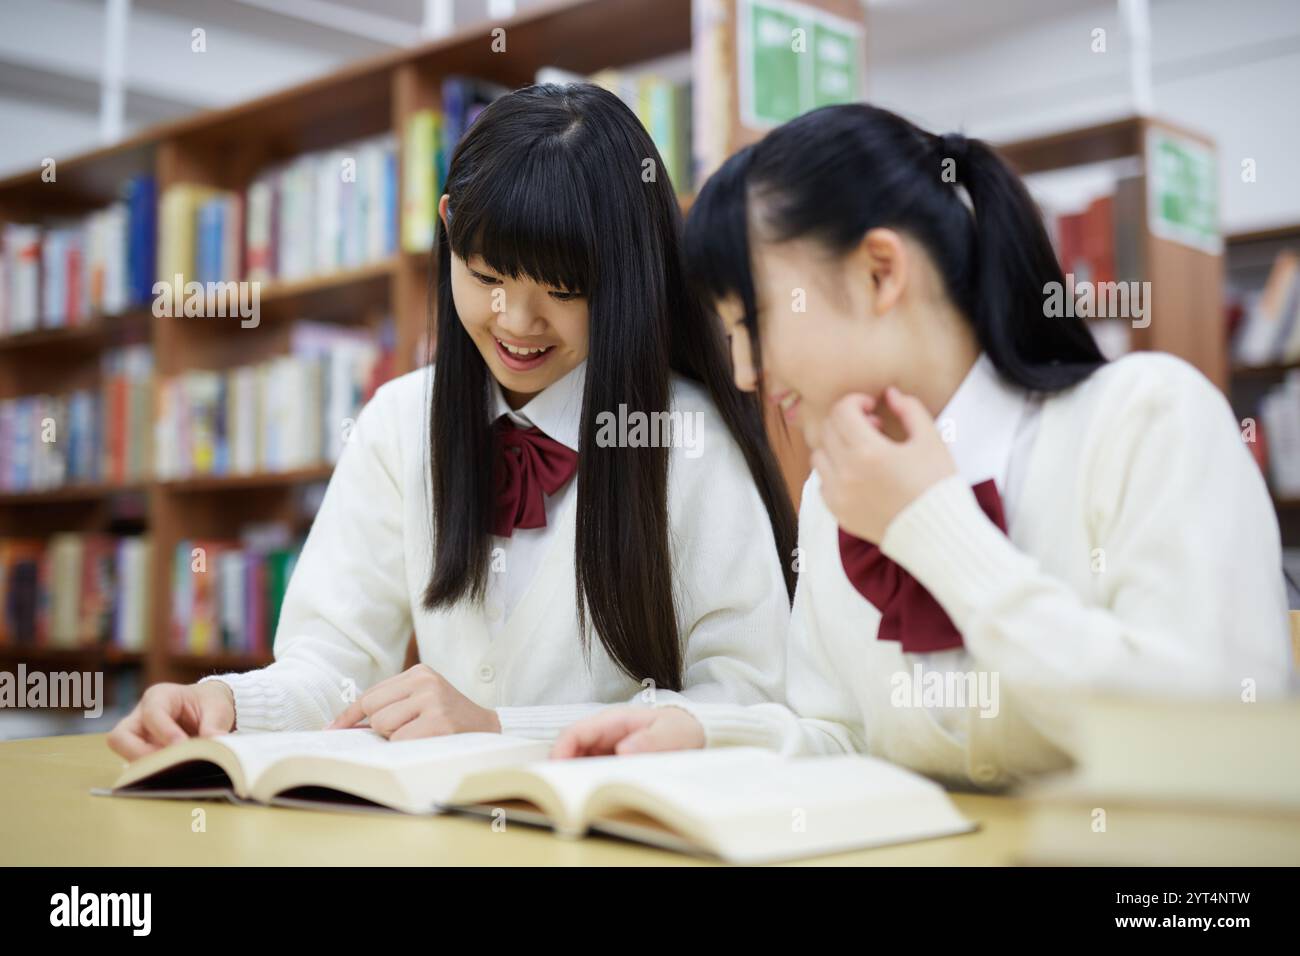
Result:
49,817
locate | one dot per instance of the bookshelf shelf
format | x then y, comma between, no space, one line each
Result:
1283,233
375,274
349,295
97,333
69,493
48,656
1265,372
265,479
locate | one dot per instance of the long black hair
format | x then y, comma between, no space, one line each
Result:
562,184
834,173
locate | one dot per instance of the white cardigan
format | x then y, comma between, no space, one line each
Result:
354,595
1144,461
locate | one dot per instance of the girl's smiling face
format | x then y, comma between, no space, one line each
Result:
828,325
529,334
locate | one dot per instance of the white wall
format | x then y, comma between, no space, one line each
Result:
1001,69
1230,70
51,54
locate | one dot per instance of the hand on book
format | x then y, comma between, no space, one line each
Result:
419,702
629,730
170,713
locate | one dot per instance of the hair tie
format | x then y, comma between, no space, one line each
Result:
955,146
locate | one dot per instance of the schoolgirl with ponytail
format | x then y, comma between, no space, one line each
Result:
997,516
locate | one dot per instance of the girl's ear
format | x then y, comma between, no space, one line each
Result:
884,255
442,209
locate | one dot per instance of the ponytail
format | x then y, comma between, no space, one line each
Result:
1013,269
835,173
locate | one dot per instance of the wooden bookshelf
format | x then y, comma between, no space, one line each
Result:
1249,258
227,148
69,493
1187,284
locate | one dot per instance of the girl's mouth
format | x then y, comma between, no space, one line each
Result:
522,358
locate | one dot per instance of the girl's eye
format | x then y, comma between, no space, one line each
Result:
485,279
566,296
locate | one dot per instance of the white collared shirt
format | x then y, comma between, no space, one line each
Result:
557,411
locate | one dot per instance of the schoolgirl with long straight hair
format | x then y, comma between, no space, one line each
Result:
997,516
570,507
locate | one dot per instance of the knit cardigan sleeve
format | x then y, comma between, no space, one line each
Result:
345,620
819,713
1184,545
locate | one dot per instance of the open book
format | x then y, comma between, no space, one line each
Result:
343,769
743,805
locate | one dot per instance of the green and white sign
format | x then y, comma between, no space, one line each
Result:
793,58
1183,191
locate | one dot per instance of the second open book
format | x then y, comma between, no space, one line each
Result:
740,804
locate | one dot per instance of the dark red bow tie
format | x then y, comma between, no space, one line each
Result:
529,465
908,614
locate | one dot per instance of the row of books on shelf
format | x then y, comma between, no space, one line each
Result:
1101,242
429,139
289,412
319,213
1277,436
70,271
662,104
226,594
1268,331
87,436
75,591
316,214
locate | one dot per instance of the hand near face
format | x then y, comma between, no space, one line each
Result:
418,702
868,478
629,730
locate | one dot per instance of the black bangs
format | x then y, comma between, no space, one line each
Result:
562,184
717,238
516,202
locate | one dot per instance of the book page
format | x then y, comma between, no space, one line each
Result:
362,747
576,779
768,807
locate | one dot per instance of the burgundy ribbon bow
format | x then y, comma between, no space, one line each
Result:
529,464
908,613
